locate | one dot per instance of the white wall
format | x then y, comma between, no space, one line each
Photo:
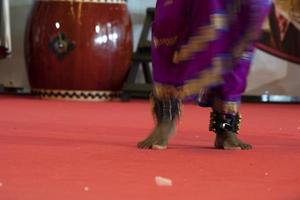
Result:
20,2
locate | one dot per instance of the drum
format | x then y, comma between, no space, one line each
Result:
78,48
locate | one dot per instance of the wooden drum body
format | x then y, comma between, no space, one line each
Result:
78,48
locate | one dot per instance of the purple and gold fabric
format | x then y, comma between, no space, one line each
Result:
205,45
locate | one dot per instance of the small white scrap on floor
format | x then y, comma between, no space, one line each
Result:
86,188
161,181
1,184
267,173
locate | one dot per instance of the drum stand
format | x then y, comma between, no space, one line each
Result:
140,58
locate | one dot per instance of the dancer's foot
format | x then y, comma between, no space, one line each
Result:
159,137
229,141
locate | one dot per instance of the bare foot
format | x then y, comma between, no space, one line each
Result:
229,141
159,137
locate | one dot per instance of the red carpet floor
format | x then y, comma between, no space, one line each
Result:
58,150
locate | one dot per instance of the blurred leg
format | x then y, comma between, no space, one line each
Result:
167,29
225,99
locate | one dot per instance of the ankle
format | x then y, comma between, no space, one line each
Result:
224,124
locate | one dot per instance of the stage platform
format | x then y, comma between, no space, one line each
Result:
66,150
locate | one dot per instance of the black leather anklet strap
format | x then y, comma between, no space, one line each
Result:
221,123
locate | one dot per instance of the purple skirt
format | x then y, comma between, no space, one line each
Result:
205,45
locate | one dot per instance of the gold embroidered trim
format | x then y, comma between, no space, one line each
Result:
165,41
163,91
241,47
226,107
168,2
196,44
220,21
206,78
222,64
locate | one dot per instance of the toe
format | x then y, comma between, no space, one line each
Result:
159,147
144,145
232,148
246,146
